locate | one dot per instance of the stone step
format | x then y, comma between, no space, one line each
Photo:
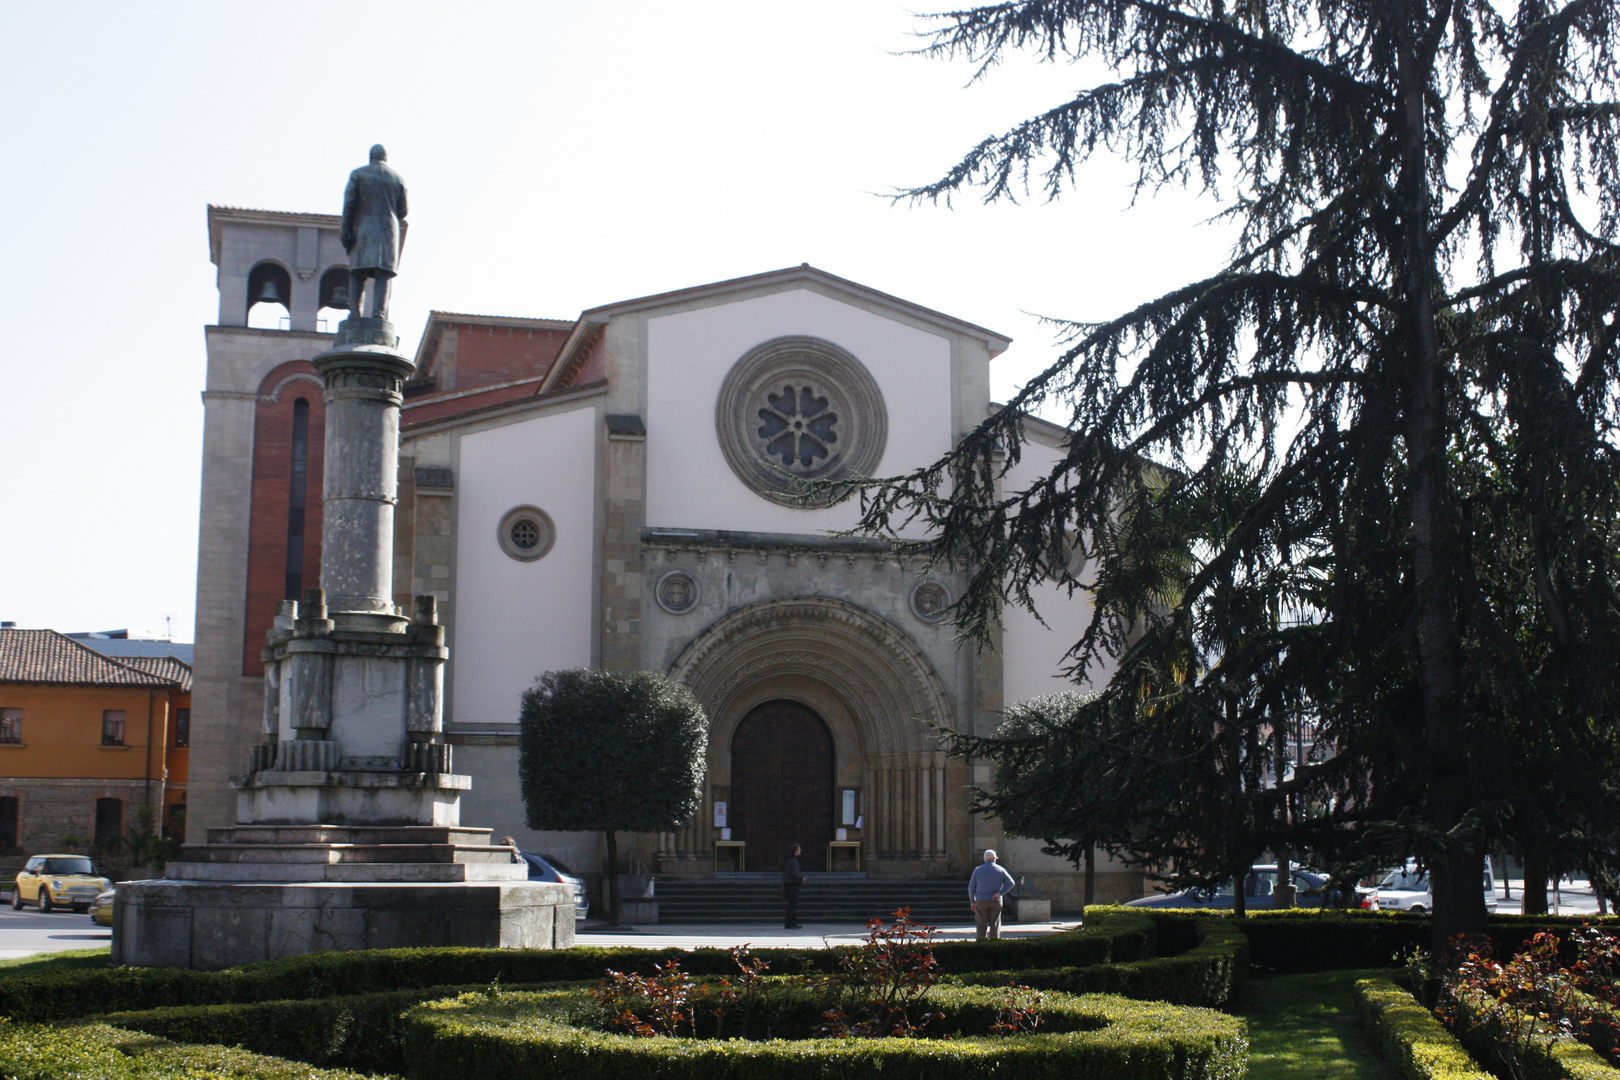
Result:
345,853
382,873
349,834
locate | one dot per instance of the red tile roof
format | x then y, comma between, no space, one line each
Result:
45,656
171,668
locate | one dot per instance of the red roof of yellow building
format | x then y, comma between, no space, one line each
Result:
45,656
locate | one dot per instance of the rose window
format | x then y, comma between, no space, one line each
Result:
796,410
798,426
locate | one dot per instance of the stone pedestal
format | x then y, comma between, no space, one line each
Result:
348,833
213,925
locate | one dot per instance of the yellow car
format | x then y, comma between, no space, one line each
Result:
58,881
101,908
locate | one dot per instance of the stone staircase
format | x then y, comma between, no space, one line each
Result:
849,898
347,853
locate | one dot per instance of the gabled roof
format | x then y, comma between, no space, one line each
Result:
593,318
171,668
241,215
45,656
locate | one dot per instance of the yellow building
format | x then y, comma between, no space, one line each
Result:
86,740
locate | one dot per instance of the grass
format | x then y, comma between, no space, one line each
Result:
1306,1026
52,962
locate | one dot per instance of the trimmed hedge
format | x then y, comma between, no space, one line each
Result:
531,1035
363,1032
1409,1037
1324,939
1115,935
102,1052
1209,973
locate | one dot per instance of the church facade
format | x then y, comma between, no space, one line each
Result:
624,490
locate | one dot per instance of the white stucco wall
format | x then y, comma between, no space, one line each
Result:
515,620
689,484
1032,653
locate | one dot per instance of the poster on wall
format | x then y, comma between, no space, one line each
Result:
719,815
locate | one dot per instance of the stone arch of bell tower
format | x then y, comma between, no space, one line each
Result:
874,689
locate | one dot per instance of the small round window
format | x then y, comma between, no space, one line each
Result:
526,533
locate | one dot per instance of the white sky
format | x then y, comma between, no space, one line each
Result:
559,155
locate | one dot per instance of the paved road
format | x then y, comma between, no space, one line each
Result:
23,933
813,936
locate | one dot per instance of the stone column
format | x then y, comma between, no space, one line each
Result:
364,380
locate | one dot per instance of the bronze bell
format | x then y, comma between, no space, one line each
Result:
338,297
269,293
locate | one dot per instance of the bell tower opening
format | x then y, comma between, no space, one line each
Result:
269,297
781,783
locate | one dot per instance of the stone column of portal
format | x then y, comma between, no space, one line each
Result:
364,380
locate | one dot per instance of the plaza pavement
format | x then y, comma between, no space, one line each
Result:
25,933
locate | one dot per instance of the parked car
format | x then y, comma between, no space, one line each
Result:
101,908
1406,888
546,868
1258,886
54,881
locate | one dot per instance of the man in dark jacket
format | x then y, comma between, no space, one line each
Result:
792,878
373,230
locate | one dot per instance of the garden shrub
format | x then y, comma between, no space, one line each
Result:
363,1031
1409,1037
103,1052
1327,939
1525,1015
1112,935
1535,1055
1209,973
542,1034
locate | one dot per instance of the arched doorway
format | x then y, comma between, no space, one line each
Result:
781,783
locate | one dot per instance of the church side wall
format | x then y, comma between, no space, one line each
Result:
689,484
515,620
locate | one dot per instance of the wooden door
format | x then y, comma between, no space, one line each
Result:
782,784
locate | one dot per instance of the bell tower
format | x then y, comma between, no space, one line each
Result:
272,256
259,539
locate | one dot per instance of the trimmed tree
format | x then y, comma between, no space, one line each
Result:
611,752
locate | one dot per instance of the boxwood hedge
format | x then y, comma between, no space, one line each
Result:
1111,936
1409,1036
103,1052
541,1034
363,1031
1210,972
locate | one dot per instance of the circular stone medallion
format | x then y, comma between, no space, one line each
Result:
797,409
526,533
676,592
929,601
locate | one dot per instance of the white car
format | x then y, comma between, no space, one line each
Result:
1407,889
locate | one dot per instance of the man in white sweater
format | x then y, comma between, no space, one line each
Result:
989,883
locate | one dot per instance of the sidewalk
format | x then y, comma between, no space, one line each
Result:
814,936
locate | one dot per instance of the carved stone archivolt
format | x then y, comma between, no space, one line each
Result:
798,409
866,679
866,660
